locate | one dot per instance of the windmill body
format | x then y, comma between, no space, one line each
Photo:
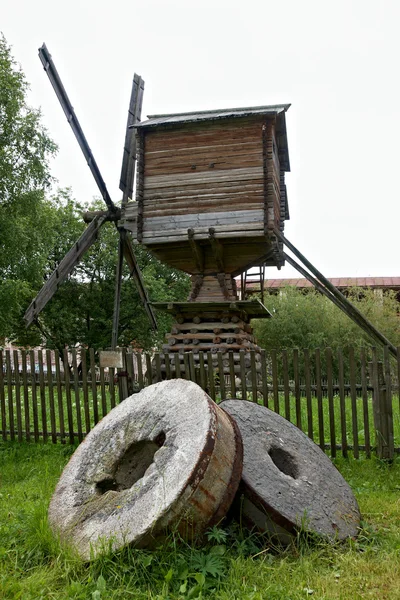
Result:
212,176
210,196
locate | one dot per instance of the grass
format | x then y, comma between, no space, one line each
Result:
232,564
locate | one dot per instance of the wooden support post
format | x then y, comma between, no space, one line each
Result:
123,378
129,366
222,284
262,280
389,404
2,400
217,249
137,276
398,374
197,252
381,402
117,297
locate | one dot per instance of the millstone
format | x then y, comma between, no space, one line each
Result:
166,457
288,482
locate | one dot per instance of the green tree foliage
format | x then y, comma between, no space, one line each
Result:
25,151
309,320
25,147
32,249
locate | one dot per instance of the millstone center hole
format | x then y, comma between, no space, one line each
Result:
132,465
284,461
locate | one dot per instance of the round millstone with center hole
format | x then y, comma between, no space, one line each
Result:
288,482
164,458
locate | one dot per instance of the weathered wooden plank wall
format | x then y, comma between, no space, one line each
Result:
223,174
201,177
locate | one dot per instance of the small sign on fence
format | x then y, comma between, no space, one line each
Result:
112,359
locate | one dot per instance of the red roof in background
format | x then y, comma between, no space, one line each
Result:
339,282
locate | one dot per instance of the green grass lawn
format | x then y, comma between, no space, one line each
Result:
233,563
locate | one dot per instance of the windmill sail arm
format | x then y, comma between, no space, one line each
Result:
129,155
72,119
137,276
70,260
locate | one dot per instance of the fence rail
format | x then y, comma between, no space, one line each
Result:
345,400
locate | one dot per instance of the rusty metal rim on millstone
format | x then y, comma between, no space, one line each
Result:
164,458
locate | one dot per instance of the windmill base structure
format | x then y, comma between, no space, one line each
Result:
211,328
211,200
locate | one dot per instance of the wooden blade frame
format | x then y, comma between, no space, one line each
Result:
72,119
126,184
129,156
65,267
125,247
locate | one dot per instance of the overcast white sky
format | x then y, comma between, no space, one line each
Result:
336,62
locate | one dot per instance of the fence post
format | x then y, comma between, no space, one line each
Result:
381,404
123,378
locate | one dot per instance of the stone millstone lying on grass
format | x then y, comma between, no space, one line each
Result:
166,457
288,482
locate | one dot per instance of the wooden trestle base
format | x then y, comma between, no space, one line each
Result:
216,331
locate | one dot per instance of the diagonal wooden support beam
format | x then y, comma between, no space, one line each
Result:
217,249
334,294
138,278
197,282
222,285
197,251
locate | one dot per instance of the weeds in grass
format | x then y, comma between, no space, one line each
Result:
232,564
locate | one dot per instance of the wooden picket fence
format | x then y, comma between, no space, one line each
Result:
345,401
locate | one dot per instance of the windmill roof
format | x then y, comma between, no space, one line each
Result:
211,115
279,110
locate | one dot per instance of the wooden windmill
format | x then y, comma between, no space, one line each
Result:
210,192
210,200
